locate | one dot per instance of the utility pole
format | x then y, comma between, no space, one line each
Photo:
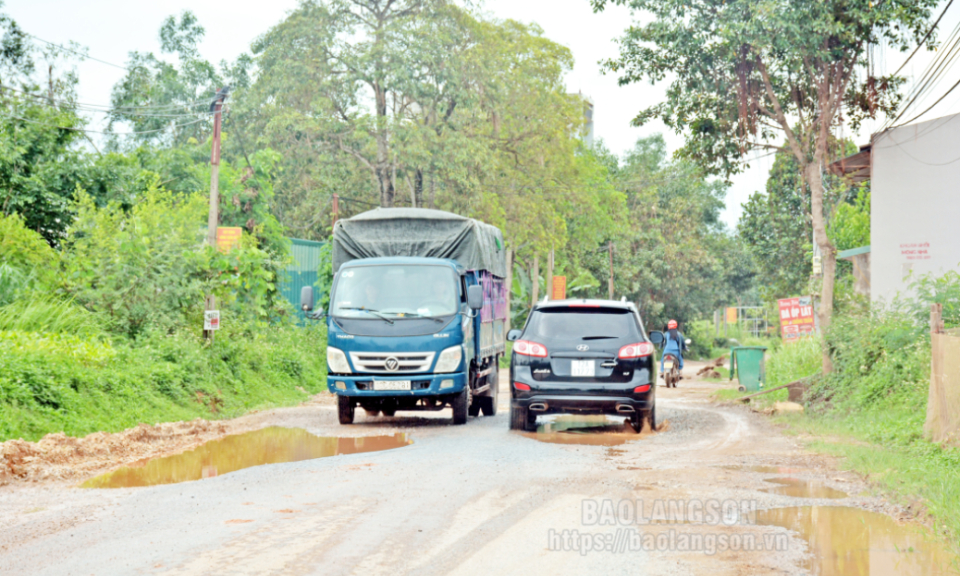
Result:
213,219
216,107
610,249
336,210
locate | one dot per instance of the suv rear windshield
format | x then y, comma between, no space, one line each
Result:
581,324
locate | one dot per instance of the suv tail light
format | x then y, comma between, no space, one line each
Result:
527,348
638,350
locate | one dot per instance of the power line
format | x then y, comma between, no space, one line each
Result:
81,54
59,104
110,109
922,41
74,129
931,74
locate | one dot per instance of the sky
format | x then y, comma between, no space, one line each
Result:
110,29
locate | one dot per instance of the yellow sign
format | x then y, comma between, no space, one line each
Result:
731,315
559,288
228,238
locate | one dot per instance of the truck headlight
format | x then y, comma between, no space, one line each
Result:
449,359
337,361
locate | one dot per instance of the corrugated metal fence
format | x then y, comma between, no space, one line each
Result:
303,271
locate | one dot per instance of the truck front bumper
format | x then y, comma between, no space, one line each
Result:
421,385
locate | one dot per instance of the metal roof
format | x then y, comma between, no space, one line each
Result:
856,167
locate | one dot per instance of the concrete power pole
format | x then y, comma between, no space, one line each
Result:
216,106
213,219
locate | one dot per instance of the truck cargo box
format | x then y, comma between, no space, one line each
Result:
420,232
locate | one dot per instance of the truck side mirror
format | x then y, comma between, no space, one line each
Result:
475,297
514,335
657,337
306,298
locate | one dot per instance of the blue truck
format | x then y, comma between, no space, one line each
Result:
417,312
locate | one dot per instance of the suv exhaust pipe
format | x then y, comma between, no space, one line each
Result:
624,409
538,407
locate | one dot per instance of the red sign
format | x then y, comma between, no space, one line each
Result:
796,318
228,238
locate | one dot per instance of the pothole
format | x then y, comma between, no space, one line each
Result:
267,446
846,541
589,430
796,488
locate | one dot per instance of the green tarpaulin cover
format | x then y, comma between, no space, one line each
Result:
420,232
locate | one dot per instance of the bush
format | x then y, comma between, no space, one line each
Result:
53,383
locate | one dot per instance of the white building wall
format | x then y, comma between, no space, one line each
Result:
915,211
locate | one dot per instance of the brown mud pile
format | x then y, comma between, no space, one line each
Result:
61,457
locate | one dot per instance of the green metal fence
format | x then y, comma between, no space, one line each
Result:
303,271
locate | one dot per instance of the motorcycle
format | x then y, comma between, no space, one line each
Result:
671,368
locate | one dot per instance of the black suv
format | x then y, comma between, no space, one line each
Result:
582,356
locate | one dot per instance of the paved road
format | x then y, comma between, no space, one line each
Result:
473,499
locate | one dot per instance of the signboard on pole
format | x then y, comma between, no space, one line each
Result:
731,315
796,318
559,288
211,320
228,238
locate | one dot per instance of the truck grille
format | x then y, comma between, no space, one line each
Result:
382,362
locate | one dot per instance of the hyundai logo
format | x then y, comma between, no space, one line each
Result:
583,347
391,364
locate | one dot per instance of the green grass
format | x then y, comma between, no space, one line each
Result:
78,385
921,472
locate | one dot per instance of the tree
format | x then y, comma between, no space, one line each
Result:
169,102
746,73
775,225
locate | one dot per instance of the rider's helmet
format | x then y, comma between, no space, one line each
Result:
671,324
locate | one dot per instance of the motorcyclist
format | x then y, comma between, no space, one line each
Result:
674,344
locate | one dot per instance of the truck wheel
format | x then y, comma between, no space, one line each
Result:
345,409
489,403
461,405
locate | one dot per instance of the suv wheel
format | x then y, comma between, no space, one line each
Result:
522,419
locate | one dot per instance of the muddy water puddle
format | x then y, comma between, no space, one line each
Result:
589,430
796,488
764,469
852,542
267,446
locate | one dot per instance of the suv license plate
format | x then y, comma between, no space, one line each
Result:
391,384
586,368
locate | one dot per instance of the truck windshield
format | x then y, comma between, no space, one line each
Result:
396,292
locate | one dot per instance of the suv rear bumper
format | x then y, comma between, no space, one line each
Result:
559,404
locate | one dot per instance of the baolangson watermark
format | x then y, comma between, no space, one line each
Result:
625,540
711,512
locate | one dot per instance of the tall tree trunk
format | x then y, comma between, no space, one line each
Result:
418,188
550,275
432,200
827,251
509,285
535,280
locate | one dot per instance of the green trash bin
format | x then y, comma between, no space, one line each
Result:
747,363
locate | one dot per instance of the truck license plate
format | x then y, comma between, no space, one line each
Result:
391,384
586,368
